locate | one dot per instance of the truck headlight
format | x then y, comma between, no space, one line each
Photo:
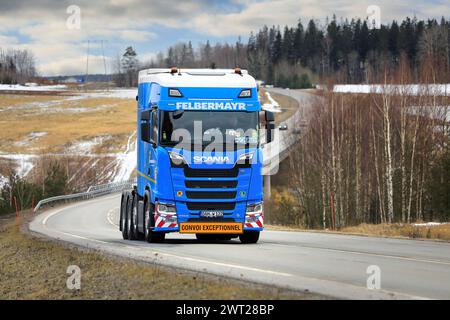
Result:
177,159
245,158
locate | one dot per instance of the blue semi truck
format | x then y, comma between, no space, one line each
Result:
199,158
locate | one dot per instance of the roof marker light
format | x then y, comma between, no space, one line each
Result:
246,93
175,93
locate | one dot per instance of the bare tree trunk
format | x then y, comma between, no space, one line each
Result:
333,155
377,175
357,166
323,178
403,125
411,175
388,162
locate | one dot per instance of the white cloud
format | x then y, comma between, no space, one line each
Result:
132,22
7,41
137,35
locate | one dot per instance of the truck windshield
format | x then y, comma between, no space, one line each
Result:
237,129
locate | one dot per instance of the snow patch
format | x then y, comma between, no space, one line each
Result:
25,162
85,146
3,181
31,87
272,105
429,224
33,136
127,160
113,93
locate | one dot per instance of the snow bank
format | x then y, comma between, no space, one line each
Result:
429,224
412,89
272,105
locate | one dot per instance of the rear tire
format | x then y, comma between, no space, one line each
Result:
123,216
131,208
249,237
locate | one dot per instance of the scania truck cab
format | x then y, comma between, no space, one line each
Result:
199,159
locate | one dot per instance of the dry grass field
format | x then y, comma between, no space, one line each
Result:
440,232
34,123
411,231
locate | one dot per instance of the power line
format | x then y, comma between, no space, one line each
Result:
87,57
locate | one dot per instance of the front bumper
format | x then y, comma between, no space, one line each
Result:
251,223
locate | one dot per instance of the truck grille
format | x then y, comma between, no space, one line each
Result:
211,195
211,184
211,173
211,220
211,205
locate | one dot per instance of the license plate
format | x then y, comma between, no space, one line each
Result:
211,214
212,227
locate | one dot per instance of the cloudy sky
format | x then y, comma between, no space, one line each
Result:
50,28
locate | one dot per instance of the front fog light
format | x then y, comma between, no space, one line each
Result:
253,212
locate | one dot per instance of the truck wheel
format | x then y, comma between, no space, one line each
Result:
149,222
121,211
123,216
130,221
249,237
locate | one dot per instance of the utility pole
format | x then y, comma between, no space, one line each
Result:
87,66
87,58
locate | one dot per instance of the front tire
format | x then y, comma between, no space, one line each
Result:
249,237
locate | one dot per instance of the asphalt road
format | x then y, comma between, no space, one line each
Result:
329,264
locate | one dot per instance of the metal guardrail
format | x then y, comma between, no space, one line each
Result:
92,192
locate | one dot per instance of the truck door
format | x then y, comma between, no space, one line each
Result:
152,150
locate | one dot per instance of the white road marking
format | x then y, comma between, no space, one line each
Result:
110,218
44,222
169,254
367,254
228,265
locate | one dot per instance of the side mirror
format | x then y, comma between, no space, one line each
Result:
283,127
145,132
269,132
270,118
